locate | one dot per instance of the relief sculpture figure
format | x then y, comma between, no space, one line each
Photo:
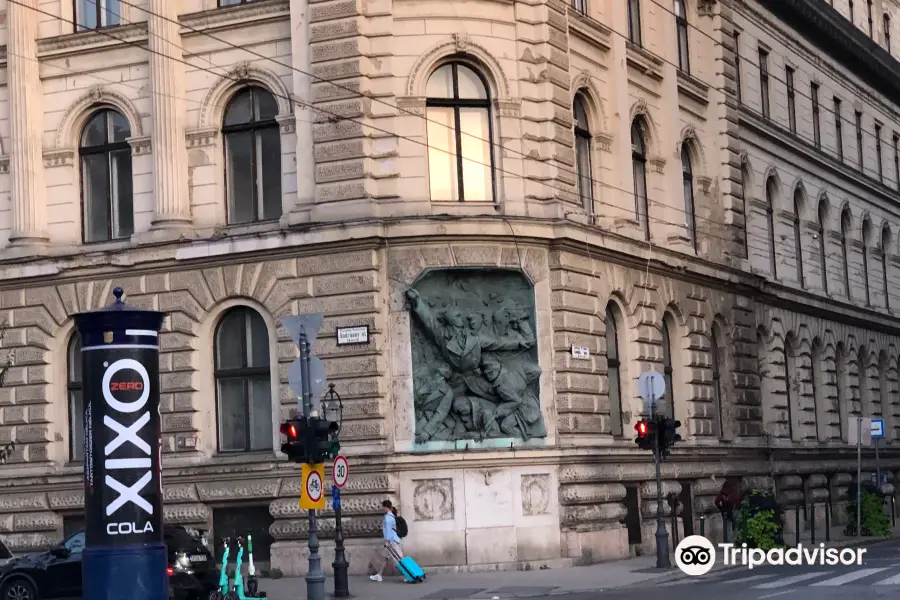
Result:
475,362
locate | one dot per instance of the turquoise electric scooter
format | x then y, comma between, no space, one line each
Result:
234,590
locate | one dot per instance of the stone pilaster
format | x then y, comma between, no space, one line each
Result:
29,227
306,168
173,208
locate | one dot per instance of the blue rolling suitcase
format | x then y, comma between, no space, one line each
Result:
411,571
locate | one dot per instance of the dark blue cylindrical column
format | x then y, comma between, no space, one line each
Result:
125,555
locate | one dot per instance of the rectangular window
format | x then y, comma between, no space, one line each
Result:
838,130
764,81
681,26
814,95
92,14
792,107
859,141
634,21
897,159
878,152
580,6
737,65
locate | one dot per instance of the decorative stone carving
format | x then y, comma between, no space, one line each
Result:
433,499
535,495
475,362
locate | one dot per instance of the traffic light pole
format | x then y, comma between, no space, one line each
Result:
662,536
315,578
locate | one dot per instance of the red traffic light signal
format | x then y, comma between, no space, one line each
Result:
646,434
641,428
289,429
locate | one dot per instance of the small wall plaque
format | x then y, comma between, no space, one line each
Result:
352,335
581,353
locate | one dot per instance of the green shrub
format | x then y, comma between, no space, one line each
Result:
759,521
265,573
276,573
874,521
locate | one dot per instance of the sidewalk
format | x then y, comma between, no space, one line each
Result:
503,585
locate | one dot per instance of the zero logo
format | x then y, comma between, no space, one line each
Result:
314,486
340,472
142,386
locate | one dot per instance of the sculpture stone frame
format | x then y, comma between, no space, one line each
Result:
403,338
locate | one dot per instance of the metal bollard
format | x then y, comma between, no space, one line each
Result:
828,522
812,524
702,526
797,525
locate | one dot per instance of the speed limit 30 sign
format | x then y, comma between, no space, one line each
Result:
340,472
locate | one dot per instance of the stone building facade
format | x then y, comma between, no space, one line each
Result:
231,163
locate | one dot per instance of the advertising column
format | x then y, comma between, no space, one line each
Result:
124,555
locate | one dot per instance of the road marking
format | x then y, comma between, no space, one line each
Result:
776,594
895,580
852,576
788,581
749,579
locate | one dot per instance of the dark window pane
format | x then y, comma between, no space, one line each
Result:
239,110
76,425
581,120
95,182
261,413
86,14
238,148
75,359
95,131
119,129
269,166
583,166
230,341
440,84
257,340
113,13
266,106
232,415
123,201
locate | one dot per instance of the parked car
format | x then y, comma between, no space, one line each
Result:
56,573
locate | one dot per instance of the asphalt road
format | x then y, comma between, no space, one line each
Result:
877,577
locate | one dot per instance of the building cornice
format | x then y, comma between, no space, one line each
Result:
832,33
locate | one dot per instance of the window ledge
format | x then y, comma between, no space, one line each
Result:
590,30
644,61
92,39
693,88
228,16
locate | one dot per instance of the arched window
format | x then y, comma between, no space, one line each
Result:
106,184
681,26
886,25
798,236
243,382
669,407
614,366
866,239
460,135
687,178
253,156
75,399
718,393
823,231
91,14
583,154
771,188
845,249
639,172
885,259
789,374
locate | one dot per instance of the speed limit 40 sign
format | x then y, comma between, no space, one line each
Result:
340,472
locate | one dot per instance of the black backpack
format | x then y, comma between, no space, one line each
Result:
402,529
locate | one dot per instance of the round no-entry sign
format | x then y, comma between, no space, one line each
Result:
314,486
340,472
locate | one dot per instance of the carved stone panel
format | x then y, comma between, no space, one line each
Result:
535,495
476,374
433,499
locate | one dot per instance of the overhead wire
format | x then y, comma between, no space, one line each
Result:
338,117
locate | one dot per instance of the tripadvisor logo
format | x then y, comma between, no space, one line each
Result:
696,555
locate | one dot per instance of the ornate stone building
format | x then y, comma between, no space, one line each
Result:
490,186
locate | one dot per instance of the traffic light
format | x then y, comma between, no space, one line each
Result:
646,434
669,429
295,445
322,444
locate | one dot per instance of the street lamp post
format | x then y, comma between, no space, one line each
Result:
333,408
